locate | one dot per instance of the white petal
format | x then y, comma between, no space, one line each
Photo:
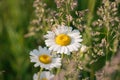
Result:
35,51
74,48
77,44
49,42
78,40
62,49
66,51
36,65
70,48
56,47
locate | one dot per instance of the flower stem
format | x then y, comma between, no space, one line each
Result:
62,56
92,74
91,6
58,70
39,73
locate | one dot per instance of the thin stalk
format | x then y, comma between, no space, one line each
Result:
92,75
91,6
39,73
68,10
58,69
107,25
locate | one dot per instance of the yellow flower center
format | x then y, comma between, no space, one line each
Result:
62,39
44,79
46,59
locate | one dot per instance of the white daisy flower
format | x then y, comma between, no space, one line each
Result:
44,59
45,75
63,39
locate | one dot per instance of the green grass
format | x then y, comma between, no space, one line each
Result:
14,48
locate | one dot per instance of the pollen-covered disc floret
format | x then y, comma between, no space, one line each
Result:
63,39
44,59
45,75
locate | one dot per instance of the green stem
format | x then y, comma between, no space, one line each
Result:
68,11
91,6
107,35
39,73
92,74
62,55
58,70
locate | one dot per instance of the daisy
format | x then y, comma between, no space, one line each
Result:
45,75
44,59
63,39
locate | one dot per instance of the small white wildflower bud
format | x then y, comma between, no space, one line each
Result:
83,48
51,20
42,10
76,12
117,19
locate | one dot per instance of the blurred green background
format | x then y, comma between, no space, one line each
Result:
15,17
